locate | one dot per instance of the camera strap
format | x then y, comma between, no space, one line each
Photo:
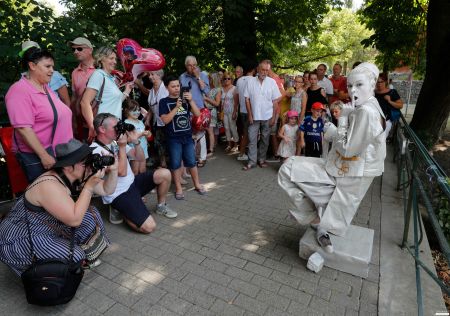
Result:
104,146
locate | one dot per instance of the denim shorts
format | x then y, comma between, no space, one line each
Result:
181,149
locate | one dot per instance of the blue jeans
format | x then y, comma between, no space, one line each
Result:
181,149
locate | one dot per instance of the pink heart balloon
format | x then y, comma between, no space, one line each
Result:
135,59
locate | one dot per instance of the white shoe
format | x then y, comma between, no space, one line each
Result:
242,157
114,216
324,240
163,209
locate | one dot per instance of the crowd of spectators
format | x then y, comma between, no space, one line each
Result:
254,108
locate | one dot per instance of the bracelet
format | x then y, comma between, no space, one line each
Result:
138,143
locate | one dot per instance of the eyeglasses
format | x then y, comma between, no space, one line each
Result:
226,79
77,49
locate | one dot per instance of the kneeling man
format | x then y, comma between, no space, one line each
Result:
127,198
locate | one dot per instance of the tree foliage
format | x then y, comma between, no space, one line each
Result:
220,32
399,32
22,20
338,40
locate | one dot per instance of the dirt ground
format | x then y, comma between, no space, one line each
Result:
441,152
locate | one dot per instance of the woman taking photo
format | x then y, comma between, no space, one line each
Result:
40,120
102,86
46,211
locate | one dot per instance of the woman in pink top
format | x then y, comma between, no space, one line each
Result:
40,120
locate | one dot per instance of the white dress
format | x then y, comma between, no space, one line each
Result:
287,149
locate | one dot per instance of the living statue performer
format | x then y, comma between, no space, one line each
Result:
327,193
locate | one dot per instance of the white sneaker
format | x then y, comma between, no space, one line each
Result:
114,216
242,157
165,210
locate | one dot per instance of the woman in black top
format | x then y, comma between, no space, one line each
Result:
389,100
315,94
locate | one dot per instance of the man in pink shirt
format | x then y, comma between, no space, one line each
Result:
82,49
339,82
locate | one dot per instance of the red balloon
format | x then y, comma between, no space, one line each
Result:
199,123
136,60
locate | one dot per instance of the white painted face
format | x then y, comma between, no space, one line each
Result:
359,88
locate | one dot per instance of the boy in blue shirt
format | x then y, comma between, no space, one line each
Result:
311,132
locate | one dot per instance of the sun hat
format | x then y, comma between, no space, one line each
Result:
292,113
27,45
80,41
71,153
318,106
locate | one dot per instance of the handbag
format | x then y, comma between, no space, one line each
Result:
54,281
30,162
96,243
95,103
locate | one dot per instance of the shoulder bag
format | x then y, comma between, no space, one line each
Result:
54,281
30,162
95,244
98,99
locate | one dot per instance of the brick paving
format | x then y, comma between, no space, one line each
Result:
231,252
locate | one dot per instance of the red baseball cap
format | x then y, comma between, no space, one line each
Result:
318,106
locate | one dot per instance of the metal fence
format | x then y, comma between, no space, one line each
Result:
426,194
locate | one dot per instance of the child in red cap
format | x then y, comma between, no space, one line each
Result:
311,132
288,135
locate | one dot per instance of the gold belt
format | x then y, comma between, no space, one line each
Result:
354,158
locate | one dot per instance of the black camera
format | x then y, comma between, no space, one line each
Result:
122,127
185,89
98,162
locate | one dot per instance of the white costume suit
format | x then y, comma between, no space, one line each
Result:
338,184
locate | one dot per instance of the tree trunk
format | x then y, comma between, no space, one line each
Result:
240,31
433,105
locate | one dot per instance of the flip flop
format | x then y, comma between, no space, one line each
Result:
179,196
201,191
263,164
248,167
201,163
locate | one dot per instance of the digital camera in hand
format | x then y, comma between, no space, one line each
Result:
98,162
185,89
122,127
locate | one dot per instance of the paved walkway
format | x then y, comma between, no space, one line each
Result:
231,252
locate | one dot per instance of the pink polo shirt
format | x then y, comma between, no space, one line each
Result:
28,107
80,78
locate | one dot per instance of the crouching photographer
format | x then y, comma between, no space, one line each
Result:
115,137
53,230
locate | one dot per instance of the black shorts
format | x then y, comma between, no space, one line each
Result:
313,149
130,203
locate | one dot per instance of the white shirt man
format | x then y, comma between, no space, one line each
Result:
261,97
323,81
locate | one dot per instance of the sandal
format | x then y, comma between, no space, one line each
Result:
201,163
228,149
179,196
247,167
201,191
263,164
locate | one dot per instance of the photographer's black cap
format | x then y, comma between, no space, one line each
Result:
71,153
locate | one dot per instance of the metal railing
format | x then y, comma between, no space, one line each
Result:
425,191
